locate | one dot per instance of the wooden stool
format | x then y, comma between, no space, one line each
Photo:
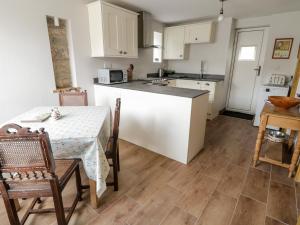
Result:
278,117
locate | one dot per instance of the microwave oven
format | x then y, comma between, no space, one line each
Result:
111,76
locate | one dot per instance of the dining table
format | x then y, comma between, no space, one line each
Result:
81,132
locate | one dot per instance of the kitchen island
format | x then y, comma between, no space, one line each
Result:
167,120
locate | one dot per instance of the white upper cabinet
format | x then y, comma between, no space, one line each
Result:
199,33
130,39
113,31
176,37
174,43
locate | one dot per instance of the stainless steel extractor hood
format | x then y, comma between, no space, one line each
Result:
145,31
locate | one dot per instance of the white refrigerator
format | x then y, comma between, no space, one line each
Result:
264,93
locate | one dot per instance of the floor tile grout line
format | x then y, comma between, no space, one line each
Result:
238,199
269,186
296,198
277,220
218,182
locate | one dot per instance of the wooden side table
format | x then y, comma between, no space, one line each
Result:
278,117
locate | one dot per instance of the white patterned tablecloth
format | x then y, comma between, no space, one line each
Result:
82,132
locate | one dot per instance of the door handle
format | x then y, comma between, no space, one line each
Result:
258,69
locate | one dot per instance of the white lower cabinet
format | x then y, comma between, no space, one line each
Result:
172,83
214,88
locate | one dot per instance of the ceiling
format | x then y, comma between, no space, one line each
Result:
172,11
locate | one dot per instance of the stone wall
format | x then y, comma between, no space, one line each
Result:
60,53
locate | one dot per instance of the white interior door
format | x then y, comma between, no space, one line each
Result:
246,70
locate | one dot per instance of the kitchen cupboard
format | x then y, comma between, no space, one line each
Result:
199,33
215,93
176,38
174,43
113,31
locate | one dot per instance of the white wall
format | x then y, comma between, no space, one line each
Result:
217,56
284,25
26,73
214,54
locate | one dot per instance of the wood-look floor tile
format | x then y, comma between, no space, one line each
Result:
257,184
181,179
266,167
249,212
82,214
197,195
297,186
155,175
280,175
270,221
142,192
232,181
282,203
215,167
218,211
152,213
166,194
241,157
179,217
117,213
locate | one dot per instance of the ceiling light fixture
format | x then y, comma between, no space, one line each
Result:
221,15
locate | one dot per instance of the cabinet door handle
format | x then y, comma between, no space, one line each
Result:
207,84
180,56
198,82
121,52
196,39
125,53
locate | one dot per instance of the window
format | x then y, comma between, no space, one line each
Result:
157,52
247,53
60,51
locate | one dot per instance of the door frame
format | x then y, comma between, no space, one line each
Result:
258,81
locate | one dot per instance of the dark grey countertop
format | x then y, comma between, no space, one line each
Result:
190,76
165,90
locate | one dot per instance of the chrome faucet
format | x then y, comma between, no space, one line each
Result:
202,68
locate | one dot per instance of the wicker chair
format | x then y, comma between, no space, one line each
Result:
28,170
112,148
73,97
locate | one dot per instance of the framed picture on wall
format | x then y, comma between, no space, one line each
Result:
282,48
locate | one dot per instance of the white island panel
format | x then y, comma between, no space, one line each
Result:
172,126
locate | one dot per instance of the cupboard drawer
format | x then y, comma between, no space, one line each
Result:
191,84
209,86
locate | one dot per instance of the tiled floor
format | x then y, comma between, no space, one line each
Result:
219,187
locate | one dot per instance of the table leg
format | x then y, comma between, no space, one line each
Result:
259,139
292,137
295,156
17,204
93,194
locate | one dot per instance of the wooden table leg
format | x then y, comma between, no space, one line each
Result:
17,204
291,138
295,156
93,194
259,139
